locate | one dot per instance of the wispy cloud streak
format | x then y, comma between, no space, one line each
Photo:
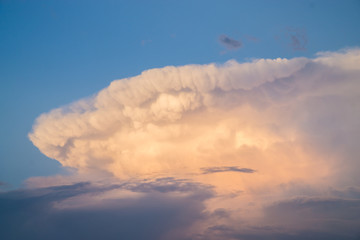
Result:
227,169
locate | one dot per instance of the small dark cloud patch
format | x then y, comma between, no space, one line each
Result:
165,185
293,38
230,43
227,169
220,213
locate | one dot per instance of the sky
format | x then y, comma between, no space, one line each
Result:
185,119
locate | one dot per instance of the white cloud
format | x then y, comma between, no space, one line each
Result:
295,122
136,118
181,119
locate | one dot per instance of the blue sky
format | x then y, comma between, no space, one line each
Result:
55,52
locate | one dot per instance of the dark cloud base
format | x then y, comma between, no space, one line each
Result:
161,214
29,214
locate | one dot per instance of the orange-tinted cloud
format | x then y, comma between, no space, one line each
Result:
292,123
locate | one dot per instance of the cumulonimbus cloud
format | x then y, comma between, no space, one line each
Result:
266,136
182,119
146,123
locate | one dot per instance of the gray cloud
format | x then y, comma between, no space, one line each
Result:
33,213
331,208
317,214
348,193
227,169
161,213
169,184
223,232
315,218
230,43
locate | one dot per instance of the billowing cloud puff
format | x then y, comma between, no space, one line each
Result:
186,118
269,135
